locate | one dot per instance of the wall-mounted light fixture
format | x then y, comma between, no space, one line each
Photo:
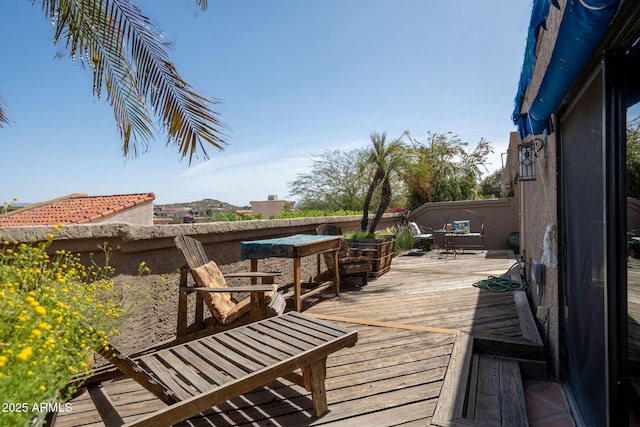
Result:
527,162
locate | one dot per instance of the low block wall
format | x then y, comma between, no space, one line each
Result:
154,244
500,217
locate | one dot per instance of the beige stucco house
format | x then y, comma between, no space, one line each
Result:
270,207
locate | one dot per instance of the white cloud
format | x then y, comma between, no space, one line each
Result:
241,177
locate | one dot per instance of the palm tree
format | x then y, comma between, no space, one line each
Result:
129,60
384,160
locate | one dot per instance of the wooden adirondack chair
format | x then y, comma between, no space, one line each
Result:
196,375
212,289
350,263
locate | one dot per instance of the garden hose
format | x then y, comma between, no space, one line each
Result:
500,284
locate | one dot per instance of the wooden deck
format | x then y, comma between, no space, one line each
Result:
408,322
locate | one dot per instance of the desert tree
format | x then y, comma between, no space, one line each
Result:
443,168
491,184
333,183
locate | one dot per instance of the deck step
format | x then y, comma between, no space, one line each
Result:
480,389
495,395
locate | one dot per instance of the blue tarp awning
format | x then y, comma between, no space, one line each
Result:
584,23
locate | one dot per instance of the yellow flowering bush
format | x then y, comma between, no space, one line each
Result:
54,313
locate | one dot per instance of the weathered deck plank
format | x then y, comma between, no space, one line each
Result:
392,376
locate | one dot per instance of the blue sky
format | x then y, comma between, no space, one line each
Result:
295,77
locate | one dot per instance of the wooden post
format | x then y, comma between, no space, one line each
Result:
296,284
315,375
336,271
182,303
258,307
199,320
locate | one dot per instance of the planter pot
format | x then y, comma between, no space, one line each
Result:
513,242
378,250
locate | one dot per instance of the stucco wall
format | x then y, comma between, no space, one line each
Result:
154,244
500,217
510,170
539,207
538,200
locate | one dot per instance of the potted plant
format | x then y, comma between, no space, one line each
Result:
377,247
384,159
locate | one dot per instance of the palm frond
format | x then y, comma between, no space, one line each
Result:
4,120
130,62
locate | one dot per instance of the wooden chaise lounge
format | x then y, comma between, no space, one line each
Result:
194,376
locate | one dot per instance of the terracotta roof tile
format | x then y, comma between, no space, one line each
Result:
75,210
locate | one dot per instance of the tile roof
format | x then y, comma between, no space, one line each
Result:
73,209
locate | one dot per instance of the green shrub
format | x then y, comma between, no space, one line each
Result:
404,240
232,216
313,213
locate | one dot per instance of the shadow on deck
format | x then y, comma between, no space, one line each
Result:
432,349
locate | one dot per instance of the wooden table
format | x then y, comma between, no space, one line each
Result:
296,247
